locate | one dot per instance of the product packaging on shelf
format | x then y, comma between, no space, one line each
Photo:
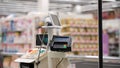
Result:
8,62
17,35
84,33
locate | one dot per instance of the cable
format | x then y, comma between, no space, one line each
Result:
39,50
59,63
37,63
41,39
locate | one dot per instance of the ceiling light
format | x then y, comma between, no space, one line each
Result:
78,9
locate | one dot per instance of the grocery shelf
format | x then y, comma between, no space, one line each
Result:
85,50
83,26
16,43
80,33
65,33
17,38
9,54
66,26
12,31
87,42
80,26
84,33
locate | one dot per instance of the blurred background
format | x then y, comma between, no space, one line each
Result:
80,21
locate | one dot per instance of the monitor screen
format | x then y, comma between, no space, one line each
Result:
55,19
41,38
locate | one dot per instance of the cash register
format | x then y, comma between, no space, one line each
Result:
52,42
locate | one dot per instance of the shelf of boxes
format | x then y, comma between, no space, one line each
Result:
16,35
85,42
83,26
17,38
84,33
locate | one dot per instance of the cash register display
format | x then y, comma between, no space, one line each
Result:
41,38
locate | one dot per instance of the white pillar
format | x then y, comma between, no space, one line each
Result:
43,5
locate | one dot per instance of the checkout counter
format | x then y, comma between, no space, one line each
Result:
44,57
47,59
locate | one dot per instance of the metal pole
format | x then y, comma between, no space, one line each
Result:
100,34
